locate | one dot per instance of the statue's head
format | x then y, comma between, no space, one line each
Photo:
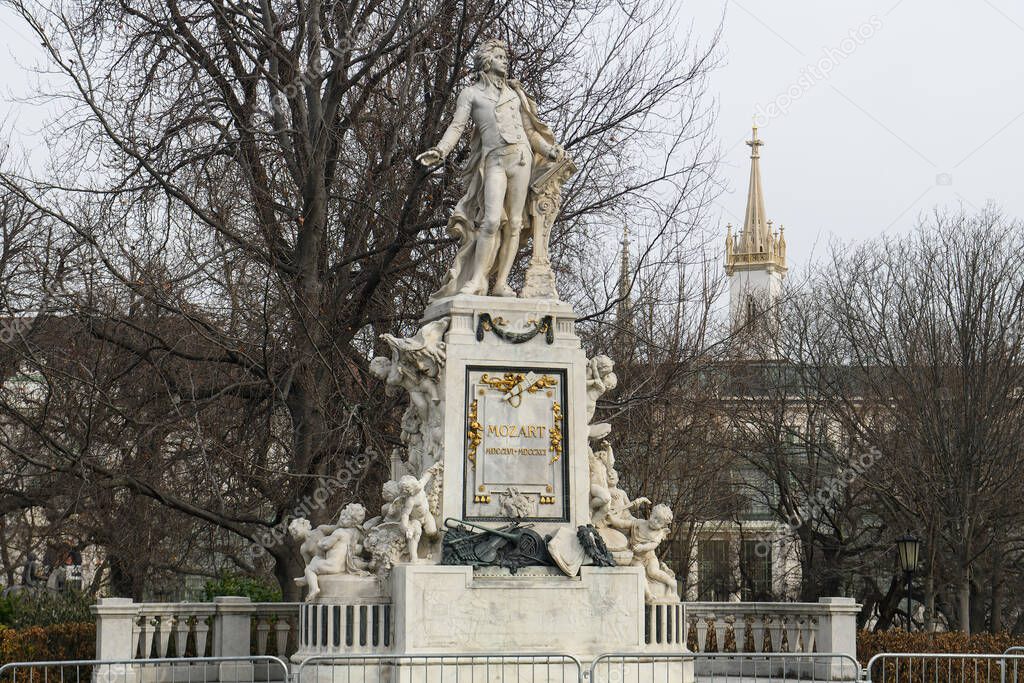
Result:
380,367
390,490
604,365
299,527
661,516
613,478
352,515
409,485
492,56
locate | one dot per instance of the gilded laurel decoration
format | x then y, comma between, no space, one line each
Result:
556,431
474,432
511,380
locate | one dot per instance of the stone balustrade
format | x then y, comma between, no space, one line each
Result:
233,626
226,627
825,626
799,628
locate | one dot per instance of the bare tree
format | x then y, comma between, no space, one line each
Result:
234,182
926,329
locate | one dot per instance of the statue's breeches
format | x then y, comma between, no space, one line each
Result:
506,182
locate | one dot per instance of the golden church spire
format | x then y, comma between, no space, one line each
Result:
757,246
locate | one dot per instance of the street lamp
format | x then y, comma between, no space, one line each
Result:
909,547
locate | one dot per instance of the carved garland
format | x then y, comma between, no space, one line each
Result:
486,324
556,432
475,433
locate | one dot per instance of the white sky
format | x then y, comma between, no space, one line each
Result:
927,110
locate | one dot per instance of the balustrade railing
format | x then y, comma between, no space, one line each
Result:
228,626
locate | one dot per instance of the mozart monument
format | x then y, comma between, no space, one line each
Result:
503,528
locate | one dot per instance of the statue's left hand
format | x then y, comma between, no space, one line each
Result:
555,152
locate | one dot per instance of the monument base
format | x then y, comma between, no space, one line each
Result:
445,623
455,609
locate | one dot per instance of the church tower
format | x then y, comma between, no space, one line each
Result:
755,259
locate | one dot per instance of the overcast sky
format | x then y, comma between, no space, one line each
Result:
872,112
923,106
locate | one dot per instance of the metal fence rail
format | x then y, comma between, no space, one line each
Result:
441,668
919,667
256,669
723,667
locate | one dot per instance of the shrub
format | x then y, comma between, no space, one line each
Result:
41,643
44,608
242,586
924,670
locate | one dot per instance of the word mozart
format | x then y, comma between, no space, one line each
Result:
517,431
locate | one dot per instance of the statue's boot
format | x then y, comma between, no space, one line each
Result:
486,249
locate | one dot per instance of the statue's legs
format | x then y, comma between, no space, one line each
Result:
488,238
518,167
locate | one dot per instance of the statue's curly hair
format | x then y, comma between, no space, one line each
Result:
484,53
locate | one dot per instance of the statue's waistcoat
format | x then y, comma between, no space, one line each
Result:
502,123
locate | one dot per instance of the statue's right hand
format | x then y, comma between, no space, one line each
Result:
430,157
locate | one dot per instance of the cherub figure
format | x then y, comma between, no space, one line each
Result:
415,512
645,536
620,507
308,537
338,551
601,379
415,365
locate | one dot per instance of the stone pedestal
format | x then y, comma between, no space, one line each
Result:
502,402
532,444
539,609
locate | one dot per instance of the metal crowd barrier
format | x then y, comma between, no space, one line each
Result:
256,669
723,667
920,667
440,668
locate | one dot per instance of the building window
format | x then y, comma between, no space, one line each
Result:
757,493
714,575
756,570
751,309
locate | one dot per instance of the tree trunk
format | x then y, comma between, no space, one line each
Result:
964,599
929,602
286,569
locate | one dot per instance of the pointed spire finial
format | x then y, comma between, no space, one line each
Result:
754,143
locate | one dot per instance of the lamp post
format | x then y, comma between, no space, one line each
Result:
909,548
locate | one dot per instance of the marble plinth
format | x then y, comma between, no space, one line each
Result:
452,609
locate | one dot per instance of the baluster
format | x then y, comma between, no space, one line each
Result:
136,637
181,628
702,633
792,633
166,633
739,631
281,629
202,631
262,631
686,628
720,626
148,631
757,625
663,620
810,634
774,625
